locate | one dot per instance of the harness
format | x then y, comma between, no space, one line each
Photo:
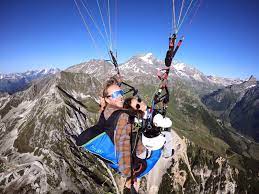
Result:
99,140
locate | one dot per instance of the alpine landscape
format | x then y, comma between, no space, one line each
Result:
215,130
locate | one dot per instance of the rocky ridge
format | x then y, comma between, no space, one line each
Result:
14,82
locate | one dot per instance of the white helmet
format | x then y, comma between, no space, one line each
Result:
153,143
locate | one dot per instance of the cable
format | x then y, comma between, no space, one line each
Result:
115,24
196,11
174,21
104,26
109,19
86,26
185,15
180,13
95,24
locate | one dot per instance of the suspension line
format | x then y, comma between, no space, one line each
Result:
174,21
109,19
180,13
95,24
87,27
104,26
188,9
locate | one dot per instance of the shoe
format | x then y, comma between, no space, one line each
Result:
168,155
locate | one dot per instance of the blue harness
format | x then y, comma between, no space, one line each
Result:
99,140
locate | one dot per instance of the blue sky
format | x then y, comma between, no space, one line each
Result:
221,39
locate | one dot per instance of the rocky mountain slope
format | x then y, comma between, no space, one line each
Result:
14,82
245,115
237,105
38,153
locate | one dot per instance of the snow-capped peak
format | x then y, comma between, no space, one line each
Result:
44,71
30,74
147,58
179,66
251,86
223,81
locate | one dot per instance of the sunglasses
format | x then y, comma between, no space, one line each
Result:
116,94
138,105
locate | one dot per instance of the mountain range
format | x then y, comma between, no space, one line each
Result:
38,152
15,82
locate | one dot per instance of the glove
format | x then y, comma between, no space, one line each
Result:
160,121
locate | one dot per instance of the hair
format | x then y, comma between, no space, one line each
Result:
127,103
111,81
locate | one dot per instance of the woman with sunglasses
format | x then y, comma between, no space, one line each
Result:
113,100
110,139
